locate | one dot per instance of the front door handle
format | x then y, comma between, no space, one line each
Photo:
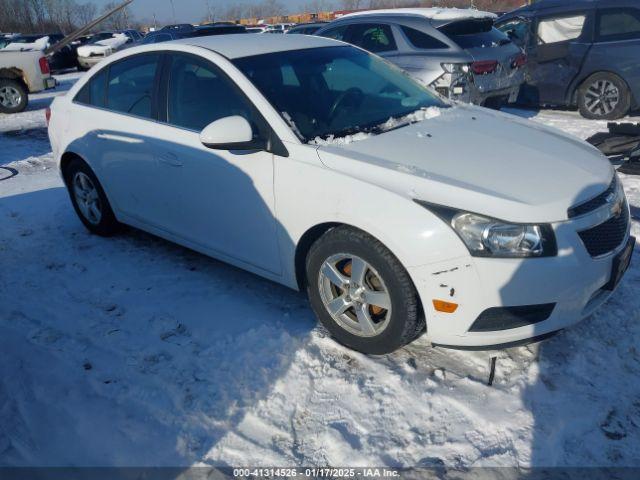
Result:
170,159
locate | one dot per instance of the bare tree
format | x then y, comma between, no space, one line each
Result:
317,6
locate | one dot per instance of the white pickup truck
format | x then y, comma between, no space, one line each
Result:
22,73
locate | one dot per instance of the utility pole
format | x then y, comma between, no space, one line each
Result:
173,9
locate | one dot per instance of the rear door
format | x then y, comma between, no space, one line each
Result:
557,50
617,45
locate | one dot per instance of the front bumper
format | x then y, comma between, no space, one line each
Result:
574,281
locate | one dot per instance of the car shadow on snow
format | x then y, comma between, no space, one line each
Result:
140,351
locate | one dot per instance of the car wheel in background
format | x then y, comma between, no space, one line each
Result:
361,293
89,200
604,96
13,96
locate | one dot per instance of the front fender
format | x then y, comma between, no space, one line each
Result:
309,194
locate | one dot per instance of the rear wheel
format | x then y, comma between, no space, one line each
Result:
604,96
13,96
89,200
361,293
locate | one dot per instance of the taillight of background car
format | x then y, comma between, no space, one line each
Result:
519,61
44,66
47,115
484,67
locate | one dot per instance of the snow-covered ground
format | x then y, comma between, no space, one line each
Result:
133,351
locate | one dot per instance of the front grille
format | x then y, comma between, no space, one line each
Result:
607,236
594,203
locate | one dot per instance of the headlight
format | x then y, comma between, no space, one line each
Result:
488,237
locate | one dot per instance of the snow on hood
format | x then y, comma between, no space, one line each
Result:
417,116
39,45
103,46
481,161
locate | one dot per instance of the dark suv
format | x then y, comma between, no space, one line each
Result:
582,53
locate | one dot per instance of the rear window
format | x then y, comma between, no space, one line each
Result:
422,40
475,33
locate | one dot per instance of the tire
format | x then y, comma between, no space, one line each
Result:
384,280
14,96
594,92
78,174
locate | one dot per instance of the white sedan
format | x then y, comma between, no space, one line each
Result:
322,167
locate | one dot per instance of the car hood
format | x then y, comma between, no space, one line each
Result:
481,161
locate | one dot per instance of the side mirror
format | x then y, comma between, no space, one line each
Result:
230,133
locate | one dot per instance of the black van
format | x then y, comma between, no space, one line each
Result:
582,53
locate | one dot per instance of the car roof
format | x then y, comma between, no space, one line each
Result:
542,5
436,14
238,46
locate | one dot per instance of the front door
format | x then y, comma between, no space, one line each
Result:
557,50
220,200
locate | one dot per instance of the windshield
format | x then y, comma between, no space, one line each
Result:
335,91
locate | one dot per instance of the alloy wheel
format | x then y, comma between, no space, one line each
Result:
355,295
87,198
10,97
602,97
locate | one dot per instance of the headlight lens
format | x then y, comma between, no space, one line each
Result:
488,237
455,67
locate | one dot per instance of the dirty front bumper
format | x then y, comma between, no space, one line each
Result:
88,62
535,296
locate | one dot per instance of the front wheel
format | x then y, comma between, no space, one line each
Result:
13,96
361,293
604,96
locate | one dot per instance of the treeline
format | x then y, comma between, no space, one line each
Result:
64,16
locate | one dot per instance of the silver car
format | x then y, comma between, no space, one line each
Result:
456,51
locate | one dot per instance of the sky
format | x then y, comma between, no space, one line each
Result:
186,10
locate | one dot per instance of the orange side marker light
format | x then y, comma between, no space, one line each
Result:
444,307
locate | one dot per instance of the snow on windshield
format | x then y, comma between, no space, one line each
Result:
413,117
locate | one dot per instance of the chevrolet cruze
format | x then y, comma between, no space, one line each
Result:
322,167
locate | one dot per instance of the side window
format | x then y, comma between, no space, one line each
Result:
516,30
618,24
337,33
94,92
560,29
374,38
130,86
199,94
422,40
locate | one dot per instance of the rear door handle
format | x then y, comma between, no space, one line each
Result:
170,159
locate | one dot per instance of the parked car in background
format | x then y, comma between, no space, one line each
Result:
279,27
201,31
257,29
62,59
582,53
22,73
306,28
104,45
397,211
456,51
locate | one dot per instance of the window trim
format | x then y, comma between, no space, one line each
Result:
619,37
